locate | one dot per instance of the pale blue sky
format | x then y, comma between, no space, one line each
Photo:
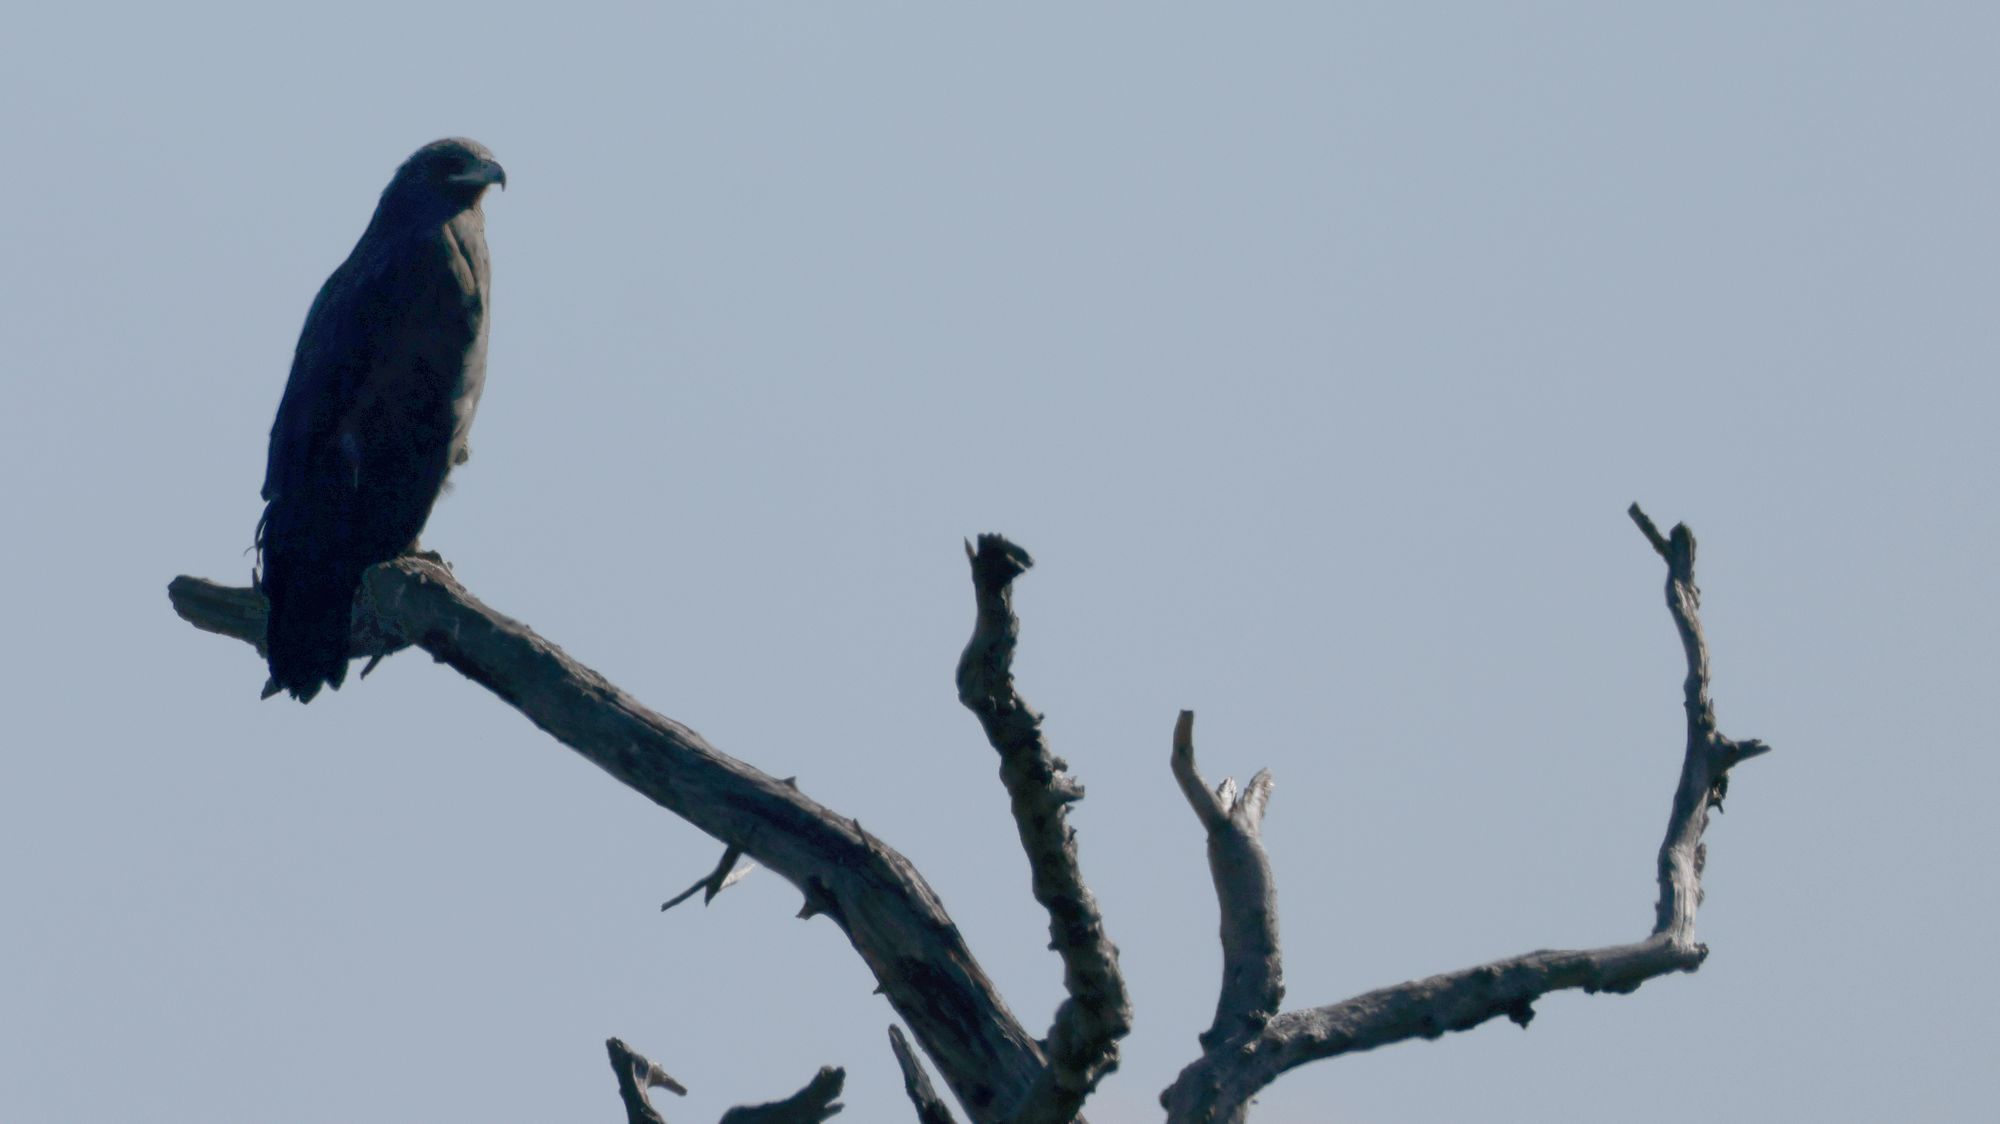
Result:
1315,351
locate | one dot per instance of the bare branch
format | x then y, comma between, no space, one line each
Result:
1705,773
1253,974
1211,808
1217,1087
809,1105
889,914
725,875
239,613
931,1109
1082,1045
636,1075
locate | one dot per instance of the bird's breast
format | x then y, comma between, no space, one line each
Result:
464,244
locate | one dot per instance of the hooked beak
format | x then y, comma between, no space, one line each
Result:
484,174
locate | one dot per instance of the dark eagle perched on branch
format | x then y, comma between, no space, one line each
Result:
384,382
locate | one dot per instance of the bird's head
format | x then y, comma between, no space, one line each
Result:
443,178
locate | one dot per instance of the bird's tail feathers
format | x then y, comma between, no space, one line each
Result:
306,635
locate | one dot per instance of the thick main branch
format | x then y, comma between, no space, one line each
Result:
890,915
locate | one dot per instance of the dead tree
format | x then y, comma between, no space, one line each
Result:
997,1070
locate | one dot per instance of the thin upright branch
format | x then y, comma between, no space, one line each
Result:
877,898
1710,756
931,1109
1082,1045
1253,974
1239,1056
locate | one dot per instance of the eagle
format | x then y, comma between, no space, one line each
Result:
385,379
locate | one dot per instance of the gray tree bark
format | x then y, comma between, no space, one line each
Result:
1251,1043
878,899
896,923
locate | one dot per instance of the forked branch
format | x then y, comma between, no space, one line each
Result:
1251,1044
1253,973
896,923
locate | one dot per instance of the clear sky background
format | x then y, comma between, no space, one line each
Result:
1315,351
